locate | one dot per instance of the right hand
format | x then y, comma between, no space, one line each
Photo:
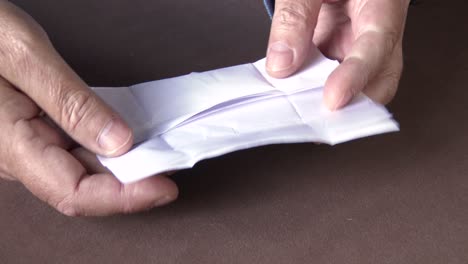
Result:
366,36
34,151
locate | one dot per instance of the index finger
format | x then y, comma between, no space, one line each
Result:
291,35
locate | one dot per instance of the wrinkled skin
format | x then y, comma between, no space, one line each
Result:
364,35
45,108
34,151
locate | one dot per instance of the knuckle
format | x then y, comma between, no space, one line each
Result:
390,40
128,209
18,53
66,206
22,41
5,162
394,79
392,82
5,176
76,108
17,107
292,14
125,193
382,39
21,142
20,47
395,69
23,137
17,24
398,59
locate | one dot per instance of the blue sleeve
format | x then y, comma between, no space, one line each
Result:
270,6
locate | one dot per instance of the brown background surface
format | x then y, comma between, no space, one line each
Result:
396,198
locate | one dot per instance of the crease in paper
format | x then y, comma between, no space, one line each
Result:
180,121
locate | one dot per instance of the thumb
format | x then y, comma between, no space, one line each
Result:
34,67
291,35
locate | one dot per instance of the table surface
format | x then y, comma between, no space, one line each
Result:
395,198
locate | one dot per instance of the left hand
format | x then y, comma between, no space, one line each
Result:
37,150
364,35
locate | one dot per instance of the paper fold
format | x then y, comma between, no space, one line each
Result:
180,121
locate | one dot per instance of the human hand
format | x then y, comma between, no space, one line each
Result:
34,151
364,35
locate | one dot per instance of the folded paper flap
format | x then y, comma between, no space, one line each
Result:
172,102
312,75
122,100
168,125
224,106
169,101
270,121
182,120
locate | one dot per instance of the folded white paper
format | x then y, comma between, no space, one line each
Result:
180,121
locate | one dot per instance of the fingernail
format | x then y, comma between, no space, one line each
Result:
280,57
114,136
164,200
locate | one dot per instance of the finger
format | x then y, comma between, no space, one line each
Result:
147,192
361,65
383,88
377,36
35,158
55,176
43,130
16,106
114,197
333,35
6,176
68,142
49,133
291,35
89,161
30,63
